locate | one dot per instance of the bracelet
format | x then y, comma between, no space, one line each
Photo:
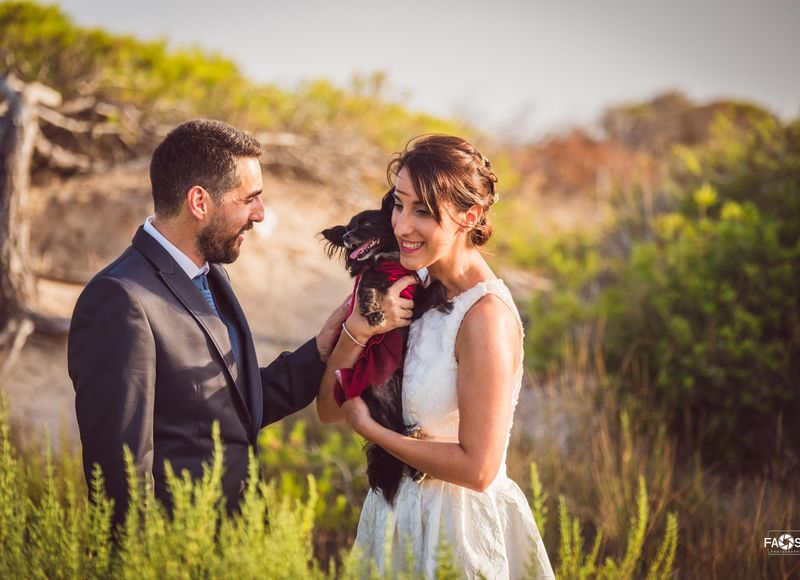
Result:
353,338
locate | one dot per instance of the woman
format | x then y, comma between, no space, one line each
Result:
461,381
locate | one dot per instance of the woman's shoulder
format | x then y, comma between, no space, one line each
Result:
488,329
490,312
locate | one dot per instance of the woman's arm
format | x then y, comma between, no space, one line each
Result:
397,312
487,350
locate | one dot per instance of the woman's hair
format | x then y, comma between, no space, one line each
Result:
449,170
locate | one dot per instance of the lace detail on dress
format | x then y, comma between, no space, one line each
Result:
490,533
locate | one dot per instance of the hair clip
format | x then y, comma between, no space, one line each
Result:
486,162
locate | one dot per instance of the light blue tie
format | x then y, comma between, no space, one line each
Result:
201,282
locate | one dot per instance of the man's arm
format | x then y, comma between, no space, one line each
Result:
111,358
291,382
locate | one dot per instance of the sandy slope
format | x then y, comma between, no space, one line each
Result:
285,283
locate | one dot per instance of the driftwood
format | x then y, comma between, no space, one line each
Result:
25,108
40,128
19,130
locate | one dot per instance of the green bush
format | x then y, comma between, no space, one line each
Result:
60,534
336,461
68,537
40,43
705,318
698,298
574,562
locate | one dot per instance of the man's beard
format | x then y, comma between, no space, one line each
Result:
214,244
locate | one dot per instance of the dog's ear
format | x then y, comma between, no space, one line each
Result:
335,235
387,203
335,238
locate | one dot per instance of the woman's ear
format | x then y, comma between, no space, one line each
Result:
473,216
199,202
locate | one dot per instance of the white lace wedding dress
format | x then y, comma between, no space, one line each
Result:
491,533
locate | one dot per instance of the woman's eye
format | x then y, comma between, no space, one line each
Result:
423,212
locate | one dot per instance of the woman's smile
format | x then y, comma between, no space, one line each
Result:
410,247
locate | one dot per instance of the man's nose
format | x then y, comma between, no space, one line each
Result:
258,211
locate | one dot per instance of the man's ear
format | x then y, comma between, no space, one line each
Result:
199,202
473,216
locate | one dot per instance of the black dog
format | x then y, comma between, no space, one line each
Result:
372,256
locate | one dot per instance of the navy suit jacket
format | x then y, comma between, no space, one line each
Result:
153,368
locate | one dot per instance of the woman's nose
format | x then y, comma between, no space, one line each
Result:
400,224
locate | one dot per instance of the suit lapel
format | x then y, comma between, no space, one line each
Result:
250,376
190,297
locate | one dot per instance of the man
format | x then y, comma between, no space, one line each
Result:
159,347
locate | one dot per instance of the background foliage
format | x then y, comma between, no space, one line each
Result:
40,43
665,338
693,287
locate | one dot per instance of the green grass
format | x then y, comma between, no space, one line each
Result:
49,529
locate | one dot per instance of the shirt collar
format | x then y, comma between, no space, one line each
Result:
184,261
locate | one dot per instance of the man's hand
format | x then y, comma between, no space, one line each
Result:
326,339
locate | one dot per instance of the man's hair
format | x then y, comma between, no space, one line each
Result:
199,152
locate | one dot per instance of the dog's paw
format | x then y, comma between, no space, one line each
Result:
376,318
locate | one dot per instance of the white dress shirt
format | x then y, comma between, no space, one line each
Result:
184,261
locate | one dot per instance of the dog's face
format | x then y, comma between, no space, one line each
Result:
366,240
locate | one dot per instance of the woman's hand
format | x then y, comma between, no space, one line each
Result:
357,414
397,312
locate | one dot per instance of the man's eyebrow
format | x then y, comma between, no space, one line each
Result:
255,193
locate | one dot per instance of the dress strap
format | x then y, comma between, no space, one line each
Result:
462,303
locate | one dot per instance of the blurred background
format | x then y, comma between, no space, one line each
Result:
649,228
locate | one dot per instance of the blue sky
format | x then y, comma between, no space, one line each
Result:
507,65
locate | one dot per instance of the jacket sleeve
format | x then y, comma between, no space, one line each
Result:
291,382
111,360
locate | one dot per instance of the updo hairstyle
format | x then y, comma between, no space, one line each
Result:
449,171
